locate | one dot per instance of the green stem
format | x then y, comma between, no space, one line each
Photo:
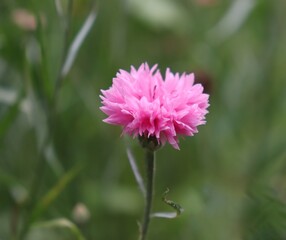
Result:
150,164
33,194
67,22
50,114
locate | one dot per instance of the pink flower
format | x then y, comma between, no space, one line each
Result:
146,105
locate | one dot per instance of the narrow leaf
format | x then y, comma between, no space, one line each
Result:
11,114
169,215
136,172
76,44
58,223
172,204
59,7
52,195
234,18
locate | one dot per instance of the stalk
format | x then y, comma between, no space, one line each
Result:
150,170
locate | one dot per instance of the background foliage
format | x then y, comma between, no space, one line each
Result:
64,174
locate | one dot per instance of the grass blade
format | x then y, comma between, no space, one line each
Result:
51,195
76,44
55,224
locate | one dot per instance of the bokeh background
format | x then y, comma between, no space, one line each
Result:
64,174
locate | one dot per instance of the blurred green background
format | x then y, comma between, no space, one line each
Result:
64,174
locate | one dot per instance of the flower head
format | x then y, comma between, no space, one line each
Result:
145,104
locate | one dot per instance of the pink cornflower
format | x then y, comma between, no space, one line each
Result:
146,105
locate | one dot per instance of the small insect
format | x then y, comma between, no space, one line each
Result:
174,205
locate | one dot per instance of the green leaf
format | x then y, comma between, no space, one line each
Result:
172,204
169,215
163,14
52,195
77,42
55,229
136,172
10,116
18,192
234,18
